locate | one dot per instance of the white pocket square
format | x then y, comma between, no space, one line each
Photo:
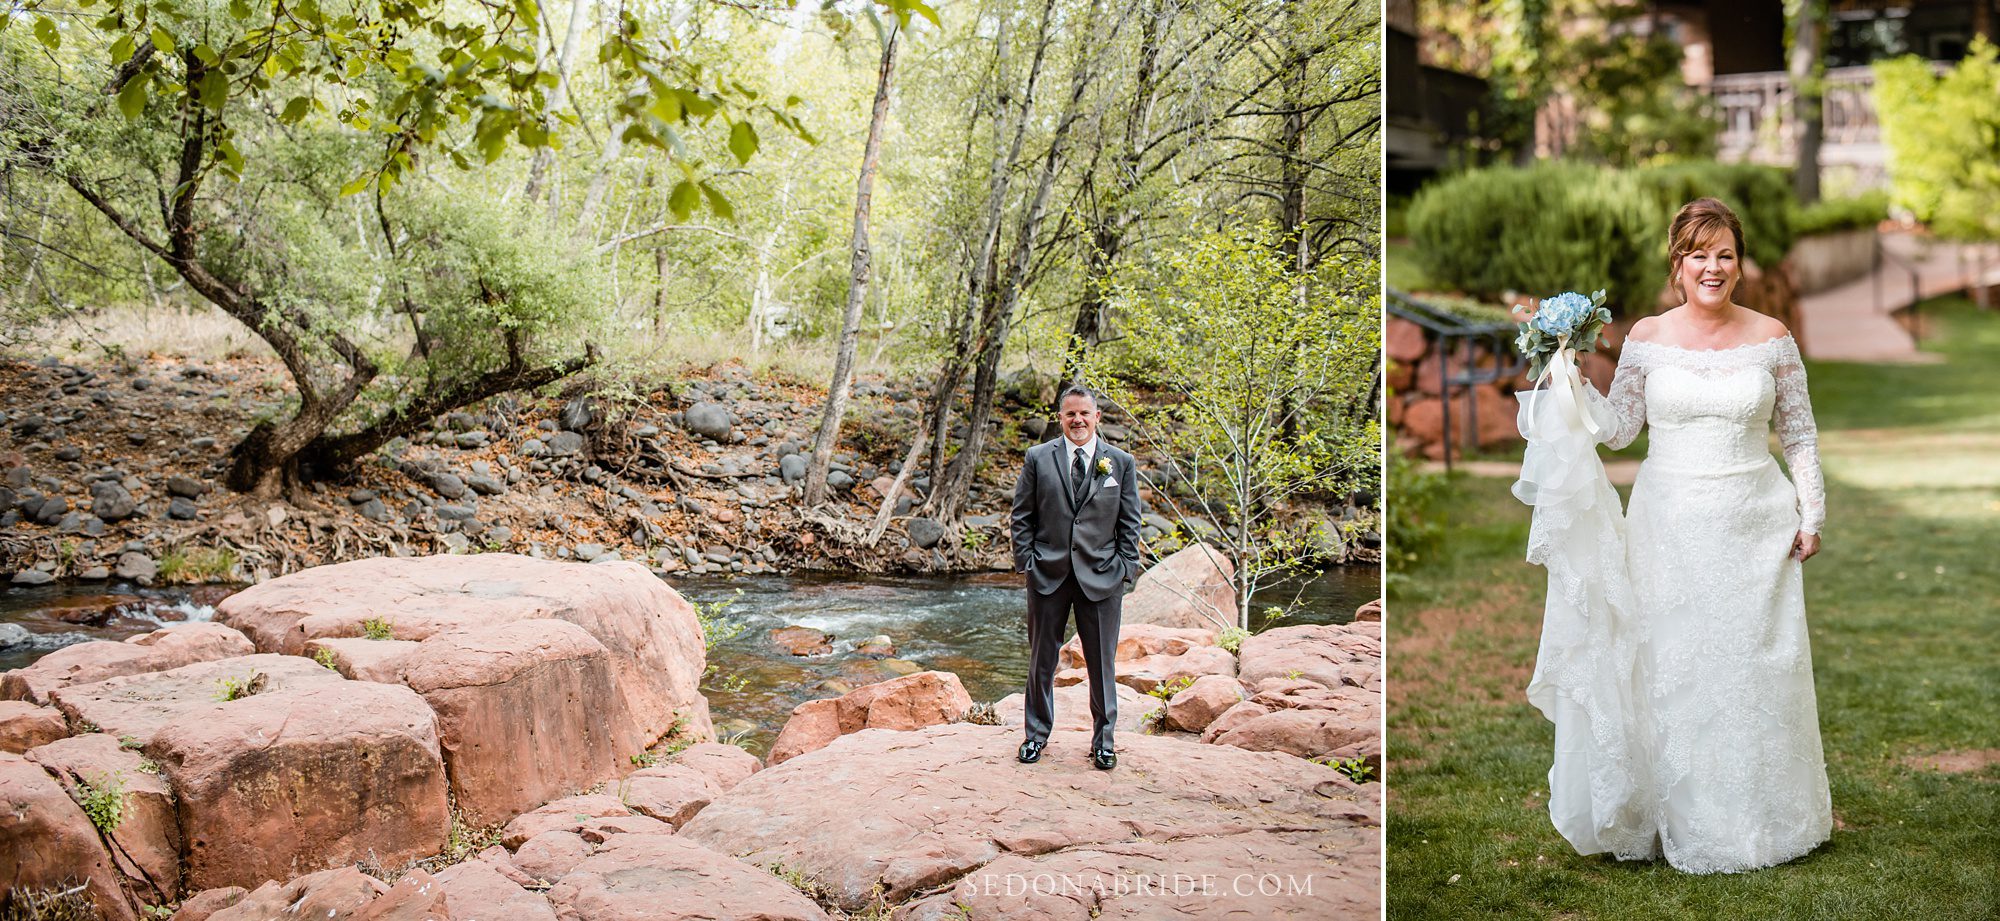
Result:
1110,481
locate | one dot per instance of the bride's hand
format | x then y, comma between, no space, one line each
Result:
1804,546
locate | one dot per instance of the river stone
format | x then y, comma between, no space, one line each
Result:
186,487
181,509
137,566
24,725
84,663
111,501
670,878
32,577
709,420
792,468
907,811
924,532
801,641
1191,589
564,444
648,629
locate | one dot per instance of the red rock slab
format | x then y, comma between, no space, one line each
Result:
362,659
477,891
651,632
724,764
1200,703
133,708
1192,588
669,878
550,855
301,779
568,813
415,896
47,841
1332,876
1321,653
907,811
24,725
912,701
1137,640
339,894
203,905
527,711
84,663
1145,673
145,845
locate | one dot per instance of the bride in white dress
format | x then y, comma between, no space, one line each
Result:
1678,672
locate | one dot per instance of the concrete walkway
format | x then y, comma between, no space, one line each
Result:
1620,472
1847,324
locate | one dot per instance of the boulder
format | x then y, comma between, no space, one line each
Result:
527,711
304,777
47,841
550,855
339,894
83,663
416,896
802,641
1190,589
133,708
145,845
1327,654
908,811
568,814
476,890
670,878
1072,709
1372,611
722,763
363,659
649,630
24,725
908,702
709,420
1353,732
1136,640
671,793
203,905
1200,703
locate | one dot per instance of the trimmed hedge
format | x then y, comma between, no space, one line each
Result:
1834,215
1559,226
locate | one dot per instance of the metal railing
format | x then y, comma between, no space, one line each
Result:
1882,255
1450,334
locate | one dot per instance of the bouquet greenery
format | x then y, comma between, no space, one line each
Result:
1567,321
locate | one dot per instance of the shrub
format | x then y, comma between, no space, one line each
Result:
376,628
1558,226
104,801
1231,638
1834,215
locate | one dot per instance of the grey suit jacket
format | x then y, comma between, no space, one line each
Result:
1096,538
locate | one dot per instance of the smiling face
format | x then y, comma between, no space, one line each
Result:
1078,415
1707,274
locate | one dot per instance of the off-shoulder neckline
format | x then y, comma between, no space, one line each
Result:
1734,348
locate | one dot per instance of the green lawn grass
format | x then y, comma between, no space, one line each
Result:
1904,607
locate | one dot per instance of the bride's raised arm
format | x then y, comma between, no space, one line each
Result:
1798,435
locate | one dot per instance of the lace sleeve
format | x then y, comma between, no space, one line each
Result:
1798,436
1626,404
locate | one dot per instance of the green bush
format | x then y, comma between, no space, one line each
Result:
1834,215
1562,226
103,801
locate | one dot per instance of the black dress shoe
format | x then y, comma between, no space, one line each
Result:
1105,759
1031,751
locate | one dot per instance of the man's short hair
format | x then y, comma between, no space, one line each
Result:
1078,390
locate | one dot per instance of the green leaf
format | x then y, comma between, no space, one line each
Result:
47,34
207,55
162,40
718,203
354,186
213,89
296,110
684,199
121,50
743,141
239,9
132,96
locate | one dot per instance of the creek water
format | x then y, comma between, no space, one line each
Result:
972,625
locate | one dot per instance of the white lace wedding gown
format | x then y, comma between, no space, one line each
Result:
1675,661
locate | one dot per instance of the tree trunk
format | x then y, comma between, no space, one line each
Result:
1803,65
857,284
545,157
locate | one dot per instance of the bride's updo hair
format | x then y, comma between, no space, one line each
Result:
1699,223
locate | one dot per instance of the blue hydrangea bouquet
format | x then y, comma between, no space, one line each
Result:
1567,321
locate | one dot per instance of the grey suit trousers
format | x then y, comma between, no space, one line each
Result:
1097,626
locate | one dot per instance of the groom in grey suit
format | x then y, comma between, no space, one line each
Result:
1076,535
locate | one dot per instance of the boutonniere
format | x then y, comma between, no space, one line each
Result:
1104,466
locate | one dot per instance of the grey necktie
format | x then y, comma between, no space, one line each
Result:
1076,473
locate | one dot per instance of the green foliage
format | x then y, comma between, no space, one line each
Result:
1635,107
377,628
1258,376
228,689
646,759
1417,506
1356,769
198,564
713,616
104,800
1563,226
975,539
324,657
1943,134
1166,690
1834,215
1231,638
